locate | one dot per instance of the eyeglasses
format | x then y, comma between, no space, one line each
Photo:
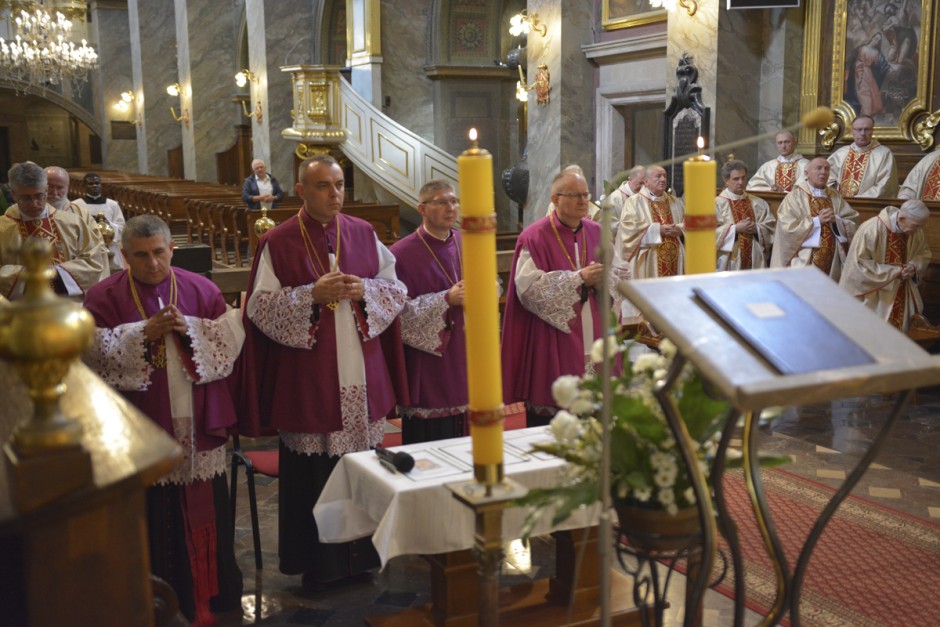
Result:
582,196
31,198
440,202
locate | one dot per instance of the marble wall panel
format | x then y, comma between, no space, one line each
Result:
780,75
561,132
405,86
290,33
737,87
115,75
212,54
158,69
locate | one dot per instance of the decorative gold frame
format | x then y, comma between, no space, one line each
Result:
909,124
615,22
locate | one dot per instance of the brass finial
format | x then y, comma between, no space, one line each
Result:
264,223
105,228
41,335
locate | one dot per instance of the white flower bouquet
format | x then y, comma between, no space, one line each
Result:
646,465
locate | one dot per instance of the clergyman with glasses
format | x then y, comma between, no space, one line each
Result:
77,253
649,240
428,263
553,312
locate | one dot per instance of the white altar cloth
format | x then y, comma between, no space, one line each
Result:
416,514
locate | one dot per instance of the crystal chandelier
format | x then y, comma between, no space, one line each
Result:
43,52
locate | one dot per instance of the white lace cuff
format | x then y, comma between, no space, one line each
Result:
358,433
423,320
286,316
384,300
119,356
553,298
216,344
195,465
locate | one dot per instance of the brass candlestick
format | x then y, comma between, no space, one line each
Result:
41,335
107,232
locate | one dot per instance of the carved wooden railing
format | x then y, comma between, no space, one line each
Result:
328,113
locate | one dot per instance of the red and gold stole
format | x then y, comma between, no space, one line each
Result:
822,256
667,257
932,182
46,229
852,172
896,255
741,209
785,175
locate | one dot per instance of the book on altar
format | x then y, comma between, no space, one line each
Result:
781,327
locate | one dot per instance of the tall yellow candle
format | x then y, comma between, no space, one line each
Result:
481,311
700,219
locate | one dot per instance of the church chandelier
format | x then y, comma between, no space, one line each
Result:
42,52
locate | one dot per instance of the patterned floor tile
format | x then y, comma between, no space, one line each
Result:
884,493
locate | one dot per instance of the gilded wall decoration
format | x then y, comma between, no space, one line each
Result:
882,62
626,13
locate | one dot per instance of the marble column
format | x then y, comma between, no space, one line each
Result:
133,24
561,132
364,48
111,33
186,89
212,49
737,96
291,30
258,64
780,75
158,68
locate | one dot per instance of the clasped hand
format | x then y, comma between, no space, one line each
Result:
334,286
591,274
164,321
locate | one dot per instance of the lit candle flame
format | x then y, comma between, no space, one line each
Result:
701,142
473,134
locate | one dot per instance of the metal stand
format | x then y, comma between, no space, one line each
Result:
488,503
749,383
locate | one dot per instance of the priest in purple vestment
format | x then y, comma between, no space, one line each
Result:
323,357
552,313
428,263
168,341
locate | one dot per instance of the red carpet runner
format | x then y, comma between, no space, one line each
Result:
872,565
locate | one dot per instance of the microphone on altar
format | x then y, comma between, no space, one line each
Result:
396,462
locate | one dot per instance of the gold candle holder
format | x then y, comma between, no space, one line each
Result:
41,335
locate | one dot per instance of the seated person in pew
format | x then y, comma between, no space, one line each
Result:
745,230
887,260
261,189
95,203
783,172
814,224
865,169
923,181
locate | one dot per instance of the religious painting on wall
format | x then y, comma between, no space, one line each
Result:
626,13
881,63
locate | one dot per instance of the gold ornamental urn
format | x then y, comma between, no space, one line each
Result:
41,335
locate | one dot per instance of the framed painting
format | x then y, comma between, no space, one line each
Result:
882,62
626,13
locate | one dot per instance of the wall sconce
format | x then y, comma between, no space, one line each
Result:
242,78
672,5
174,90
257,113
522,23
542,86
126,102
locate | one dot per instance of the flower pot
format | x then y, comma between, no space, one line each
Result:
656,530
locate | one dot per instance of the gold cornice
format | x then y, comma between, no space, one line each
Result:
441,72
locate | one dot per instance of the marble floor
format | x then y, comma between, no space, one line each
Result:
823,441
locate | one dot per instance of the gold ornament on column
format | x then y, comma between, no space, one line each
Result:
41,335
